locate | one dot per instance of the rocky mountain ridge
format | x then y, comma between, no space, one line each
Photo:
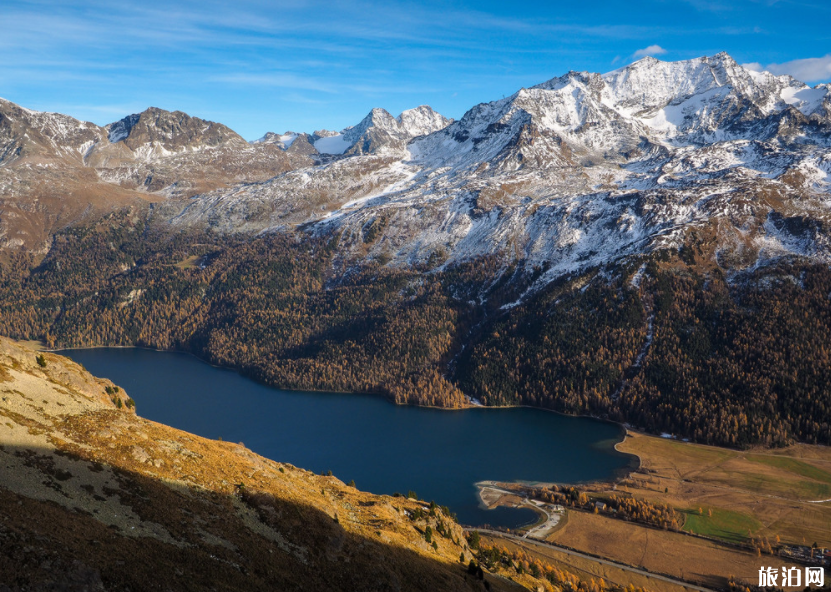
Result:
77,169
580,171
576,172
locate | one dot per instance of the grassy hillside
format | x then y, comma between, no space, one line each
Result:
93,497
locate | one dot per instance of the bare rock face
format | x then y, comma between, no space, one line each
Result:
165,132
302,145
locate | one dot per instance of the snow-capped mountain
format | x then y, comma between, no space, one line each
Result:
379,132
582,170
284,141
291,142
579,171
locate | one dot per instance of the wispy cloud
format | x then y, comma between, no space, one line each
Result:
709,5
269,62
652,50
279,80
806,69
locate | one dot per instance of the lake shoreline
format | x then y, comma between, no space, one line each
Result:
634,464
241,372
322,433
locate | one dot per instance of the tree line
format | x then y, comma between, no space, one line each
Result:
733,362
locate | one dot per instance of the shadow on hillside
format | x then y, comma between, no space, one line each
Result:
247,541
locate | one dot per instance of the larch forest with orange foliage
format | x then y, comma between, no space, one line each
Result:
686,351
502,560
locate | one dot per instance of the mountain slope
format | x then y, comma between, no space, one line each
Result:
56,170
580,171
97,498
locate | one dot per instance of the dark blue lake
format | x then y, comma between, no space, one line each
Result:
384,447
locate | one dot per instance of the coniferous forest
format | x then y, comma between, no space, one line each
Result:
661,343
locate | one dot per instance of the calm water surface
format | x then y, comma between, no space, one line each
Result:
384,447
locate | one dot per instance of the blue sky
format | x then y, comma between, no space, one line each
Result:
260,65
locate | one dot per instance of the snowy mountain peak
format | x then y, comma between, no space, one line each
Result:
421,121
379,132
283,141
650,83
583,117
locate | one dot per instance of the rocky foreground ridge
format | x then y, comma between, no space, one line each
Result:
93,497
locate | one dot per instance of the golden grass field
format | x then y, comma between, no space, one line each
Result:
586,568
765,492
675,554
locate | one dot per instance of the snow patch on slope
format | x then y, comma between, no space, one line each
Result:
337,144
807,100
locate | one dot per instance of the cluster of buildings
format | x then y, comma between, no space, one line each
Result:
805,554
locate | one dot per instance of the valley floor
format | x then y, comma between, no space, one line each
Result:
742,510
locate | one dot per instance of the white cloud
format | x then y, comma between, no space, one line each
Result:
806,70
652,50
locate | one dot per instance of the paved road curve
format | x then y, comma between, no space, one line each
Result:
622,566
